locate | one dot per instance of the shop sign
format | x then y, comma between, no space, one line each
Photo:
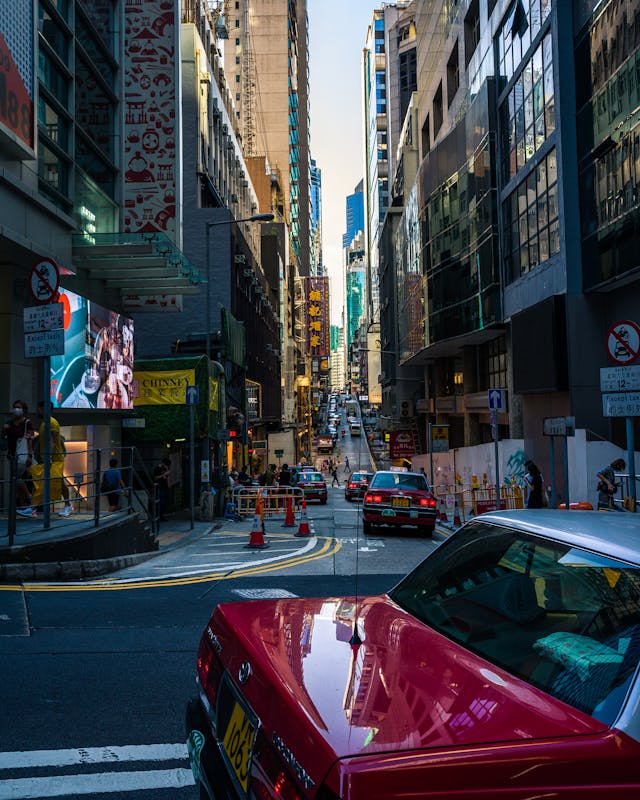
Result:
401,444
213,394
163,388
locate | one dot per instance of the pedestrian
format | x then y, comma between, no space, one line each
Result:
346,463
284,478
535,488
334,475
161,475
112,485
607,485
18,432
269,475
244,479
57,454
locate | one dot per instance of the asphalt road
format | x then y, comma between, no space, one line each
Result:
96,676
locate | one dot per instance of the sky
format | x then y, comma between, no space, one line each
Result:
337,35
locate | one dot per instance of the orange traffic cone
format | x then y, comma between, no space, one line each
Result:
303,527
456,516
289,519
256,539
443,510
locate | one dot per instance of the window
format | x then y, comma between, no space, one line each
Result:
453,75
532,228
426,141
437,110
471,30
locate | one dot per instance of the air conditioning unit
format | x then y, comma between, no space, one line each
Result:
406,408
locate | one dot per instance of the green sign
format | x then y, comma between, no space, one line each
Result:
260,446
279,453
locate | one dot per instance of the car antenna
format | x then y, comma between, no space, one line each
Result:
355,641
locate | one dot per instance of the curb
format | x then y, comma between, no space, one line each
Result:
58,571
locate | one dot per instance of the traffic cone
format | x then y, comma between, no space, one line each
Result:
256,539
303,527
457,522
289,519
443,511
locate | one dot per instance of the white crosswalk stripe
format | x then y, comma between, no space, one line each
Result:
76,783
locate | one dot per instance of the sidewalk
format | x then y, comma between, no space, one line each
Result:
174,533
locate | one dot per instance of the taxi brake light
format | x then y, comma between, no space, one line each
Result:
209,670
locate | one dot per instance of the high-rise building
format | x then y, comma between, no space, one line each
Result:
516,229
389,78
354,215
317,267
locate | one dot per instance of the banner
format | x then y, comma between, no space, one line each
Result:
164,388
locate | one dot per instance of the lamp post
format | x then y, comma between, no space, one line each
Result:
266,217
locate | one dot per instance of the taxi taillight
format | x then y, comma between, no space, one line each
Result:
209,669
429,502
270,777
372,498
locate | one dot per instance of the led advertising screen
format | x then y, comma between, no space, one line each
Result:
96,370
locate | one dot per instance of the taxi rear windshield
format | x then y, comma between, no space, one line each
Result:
564,619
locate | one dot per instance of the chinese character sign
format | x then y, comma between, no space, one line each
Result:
317,316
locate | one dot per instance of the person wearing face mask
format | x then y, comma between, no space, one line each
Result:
19,434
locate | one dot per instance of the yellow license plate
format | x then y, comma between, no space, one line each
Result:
237,743
400,501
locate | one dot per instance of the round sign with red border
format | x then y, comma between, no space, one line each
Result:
44,282
623,342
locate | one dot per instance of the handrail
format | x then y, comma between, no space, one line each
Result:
83,491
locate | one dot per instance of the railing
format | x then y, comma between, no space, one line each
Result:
76,481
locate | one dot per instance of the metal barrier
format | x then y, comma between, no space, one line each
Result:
469,502
79,485
275,499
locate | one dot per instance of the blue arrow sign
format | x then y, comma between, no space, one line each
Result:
193,395
496,400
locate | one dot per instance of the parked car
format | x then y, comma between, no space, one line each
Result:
504,665
399,499
313,486
357,485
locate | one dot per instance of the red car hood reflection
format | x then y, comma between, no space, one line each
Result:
405,687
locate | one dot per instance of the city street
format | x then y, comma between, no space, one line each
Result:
97,675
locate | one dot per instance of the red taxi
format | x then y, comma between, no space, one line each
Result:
504,665
313,486
357,485
399,499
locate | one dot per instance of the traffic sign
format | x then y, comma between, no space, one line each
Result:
623,342
43,318
260,446
45,280
559,426
192,395
279,453
44,343
496,400
439,438
621,404
620,379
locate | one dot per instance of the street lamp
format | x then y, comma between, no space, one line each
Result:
267,217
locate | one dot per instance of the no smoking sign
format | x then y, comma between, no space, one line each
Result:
623,342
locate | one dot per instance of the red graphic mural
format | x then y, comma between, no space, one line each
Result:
317,316
16,106
152,56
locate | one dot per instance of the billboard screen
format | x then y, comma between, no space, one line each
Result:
96,370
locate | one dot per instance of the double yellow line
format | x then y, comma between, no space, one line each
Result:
328,547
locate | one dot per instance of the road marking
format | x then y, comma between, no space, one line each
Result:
329,547
99,783
264,594
92,755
